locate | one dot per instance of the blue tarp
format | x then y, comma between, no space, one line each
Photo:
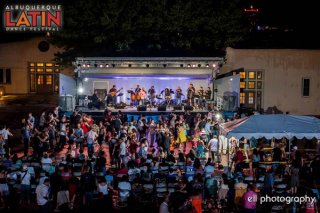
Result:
273,126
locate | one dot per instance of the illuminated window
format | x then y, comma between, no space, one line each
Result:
32,70
251,84
251,75
49,64
40,64
259,75
39,70
57,70
242,75
251,98
242,85
48,79
242,98
234,73
49,70
40,80
31,64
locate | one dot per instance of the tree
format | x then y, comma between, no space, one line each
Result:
149,28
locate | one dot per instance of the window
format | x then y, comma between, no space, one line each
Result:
242,98
49,70
5,76
40,80
251,84
242,75
32,83
251,98
40,64
259,85
39,70
306,87
251,75
259,75
48,79
242,85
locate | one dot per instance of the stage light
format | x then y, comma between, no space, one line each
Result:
214,65
231,79
181,65
100,65
129,65
113,65
88,65
199,65
207,65
79,65
193,65
188,65
218,116
147,65
85,79
164,65
95,65
107,65
80,90
83,65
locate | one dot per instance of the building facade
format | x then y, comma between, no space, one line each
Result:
29,67
288,79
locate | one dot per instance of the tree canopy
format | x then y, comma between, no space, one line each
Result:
149,28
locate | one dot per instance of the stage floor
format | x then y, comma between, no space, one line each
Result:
134,110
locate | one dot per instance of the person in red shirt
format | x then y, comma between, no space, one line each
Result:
123,170
238,156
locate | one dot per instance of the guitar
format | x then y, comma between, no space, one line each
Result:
114,93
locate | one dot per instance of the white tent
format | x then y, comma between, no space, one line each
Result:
272,126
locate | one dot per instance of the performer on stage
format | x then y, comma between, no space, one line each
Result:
113,94
190,94
178,95
138,98
152,94
143,95
201,98
208,93
96,101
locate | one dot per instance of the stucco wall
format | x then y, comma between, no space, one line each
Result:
283,70
16,55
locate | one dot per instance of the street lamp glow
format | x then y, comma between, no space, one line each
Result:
80,90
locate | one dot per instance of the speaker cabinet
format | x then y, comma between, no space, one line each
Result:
177,107
188,108
141,108
119,106
162,108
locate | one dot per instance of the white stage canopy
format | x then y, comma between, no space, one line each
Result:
272,126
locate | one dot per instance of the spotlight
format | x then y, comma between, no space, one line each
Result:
214,65
199,65
83,65
107,65
188,65
147,65
79,65
88,65
80,90
207,65
193,65
113,65
129,65
85,79
100,65
181,65
164,65
218,116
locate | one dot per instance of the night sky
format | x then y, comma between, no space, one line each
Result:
299,18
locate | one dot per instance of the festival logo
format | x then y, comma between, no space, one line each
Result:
32,18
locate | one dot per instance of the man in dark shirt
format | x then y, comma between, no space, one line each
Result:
276,153
87,183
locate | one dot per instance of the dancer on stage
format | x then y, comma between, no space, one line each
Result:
190,94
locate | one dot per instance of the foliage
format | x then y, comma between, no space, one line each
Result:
149,28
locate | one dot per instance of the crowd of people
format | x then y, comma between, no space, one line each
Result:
169,164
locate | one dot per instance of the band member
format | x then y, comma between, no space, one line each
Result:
201,100
190,94
138,98
201,92
178,95
96,101
143,95
208,93
112,93
152,94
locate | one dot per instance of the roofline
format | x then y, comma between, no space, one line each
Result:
144,59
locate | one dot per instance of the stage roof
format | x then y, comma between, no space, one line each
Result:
118,67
